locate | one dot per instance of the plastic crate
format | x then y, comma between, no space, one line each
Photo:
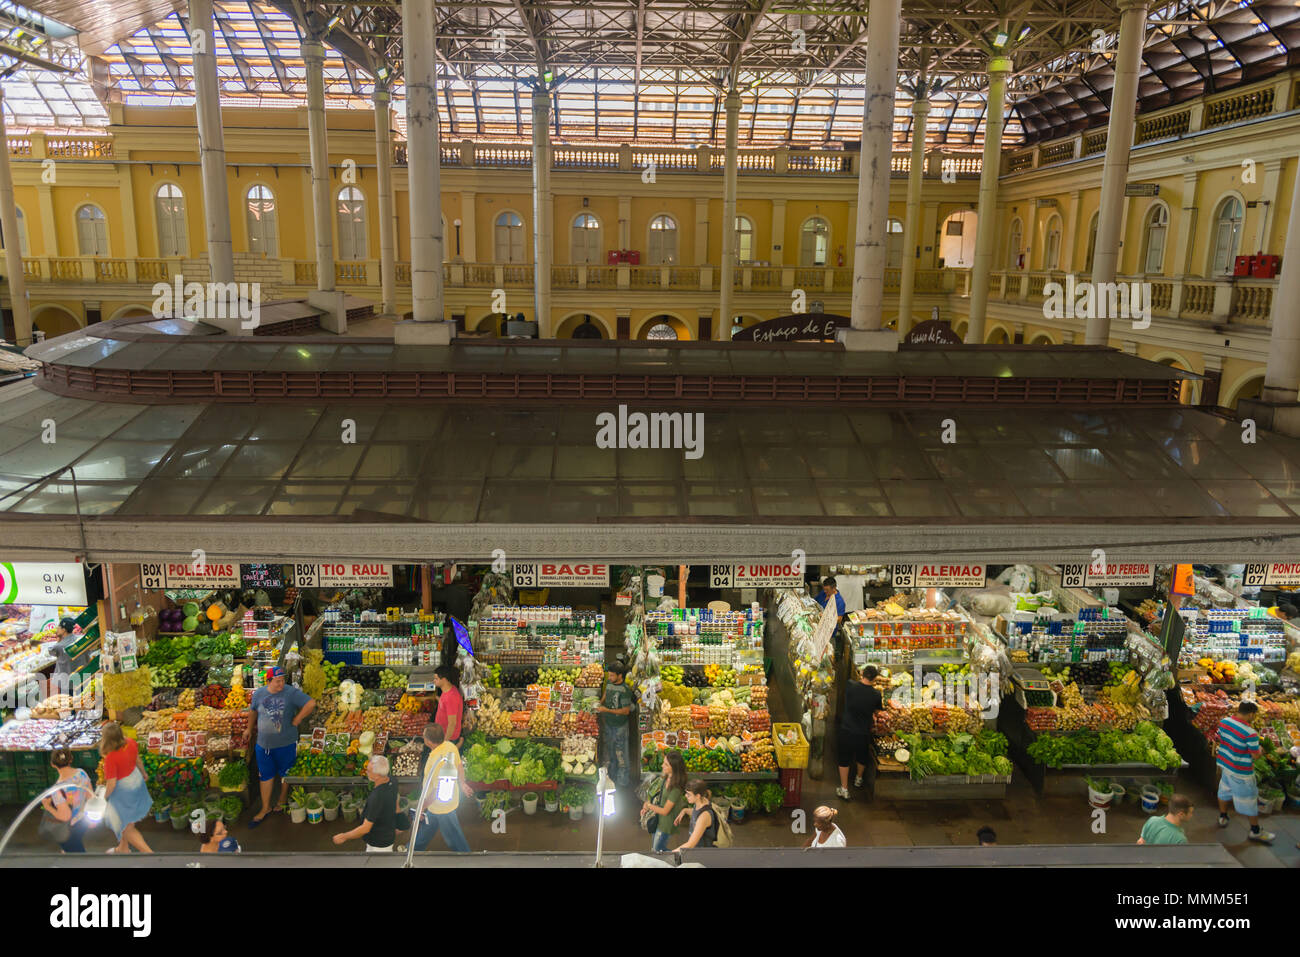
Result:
6,763
792,785
31,759
790,755
8,792
27,792
87,759
344,657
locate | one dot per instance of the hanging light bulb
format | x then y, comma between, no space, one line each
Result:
96,806
605,788
447,780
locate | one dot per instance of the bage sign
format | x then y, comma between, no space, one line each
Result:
560,574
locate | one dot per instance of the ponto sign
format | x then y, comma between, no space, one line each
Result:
559,574
34,583
1274,573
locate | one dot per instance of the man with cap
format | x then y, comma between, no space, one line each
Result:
276,712
830,593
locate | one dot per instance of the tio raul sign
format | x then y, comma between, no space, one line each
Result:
342,575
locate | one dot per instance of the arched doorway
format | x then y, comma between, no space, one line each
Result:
489,324
1041,339
960,329
997,336
582,326
55,321
664,328
957,239
1248,387
1190,392
132,312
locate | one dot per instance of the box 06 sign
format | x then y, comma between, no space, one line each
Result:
559,574
1274,573
1116,575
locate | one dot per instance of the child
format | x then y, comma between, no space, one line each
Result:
614,709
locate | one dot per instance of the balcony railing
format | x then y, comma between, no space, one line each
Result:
1260,99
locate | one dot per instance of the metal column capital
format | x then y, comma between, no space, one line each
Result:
920,107
1000,64
312,50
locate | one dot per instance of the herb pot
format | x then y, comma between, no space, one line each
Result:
1265,806
738,811
180,818
589,807
552,805
315,813
1119,791
575,814
530,802
297,813
350,812
161,813
1099,799
1150,798
332,813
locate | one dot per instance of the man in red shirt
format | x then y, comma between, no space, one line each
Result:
451,704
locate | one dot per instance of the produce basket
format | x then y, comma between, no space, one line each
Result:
790,755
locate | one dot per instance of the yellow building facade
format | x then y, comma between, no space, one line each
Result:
103,218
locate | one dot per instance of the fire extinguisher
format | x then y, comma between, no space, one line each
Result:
839,257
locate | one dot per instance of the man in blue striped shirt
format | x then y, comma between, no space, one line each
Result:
1237,746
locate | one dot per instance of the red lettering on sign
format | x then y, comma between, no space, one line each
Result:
1285,568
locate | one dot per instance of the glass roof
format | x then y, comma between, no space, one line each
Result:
557,357
469,464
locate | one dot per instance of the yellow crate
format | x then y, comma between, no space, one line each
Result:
532,596
790,755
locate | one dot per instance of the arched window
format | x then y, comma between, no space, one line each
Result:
661,330
895,230
585,245
663,242
22,232
1227,236
1015,243
744,239
169,207
814,242
1092,243
1153,240
92,231
260,220
1052,244
509,238
351,215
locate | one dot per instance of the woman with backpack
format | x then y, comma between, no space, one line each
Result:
704,817
663,799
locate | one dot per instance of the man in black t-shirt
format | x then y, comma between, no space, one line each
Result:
379,819
853,736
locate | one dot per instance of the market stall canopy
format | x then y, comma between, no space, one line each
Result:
252,481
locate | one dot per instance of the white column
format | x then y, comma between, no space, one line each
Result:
387,218
702,231
423,174
986,218
871,242
13,242
729,174
1269,192
911,219
1068,228
542,230
1114,170
313,55
212,146
1282,373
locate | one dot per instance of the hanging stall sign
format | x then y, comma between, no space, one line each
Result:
1115,575
342,575
800,327
155,575
41,583
938,576
561,574
1272,573
756,575
262,575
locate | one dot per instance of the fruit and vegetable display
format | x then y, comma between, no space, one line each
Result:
515,762
953,754
128,689
1146,744
173,777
